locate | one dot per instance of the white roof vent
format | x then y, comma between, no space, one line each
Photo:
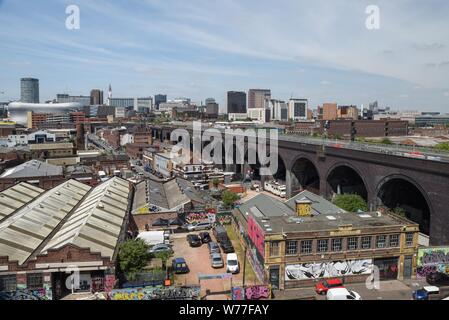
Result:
331,217
364,215
100,205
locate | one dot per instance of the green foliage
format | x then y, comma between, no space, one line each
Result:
350,202
133,257
229,198
443,146
400,212
215,182
386,141
164,256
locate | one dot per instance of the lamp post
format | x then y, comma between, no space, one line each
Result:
244,267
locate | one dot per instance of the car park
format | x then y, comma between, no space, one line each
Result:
216,260
213,247
232,263
179,265
194,240
323,286
342,293
205,237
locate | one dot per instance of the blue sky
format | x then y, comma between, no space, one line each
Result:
320,50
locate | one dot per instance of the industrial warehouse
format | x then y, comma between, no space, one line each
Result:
46,236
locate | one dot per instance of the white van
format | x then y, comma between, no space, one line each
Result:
232,263
342,294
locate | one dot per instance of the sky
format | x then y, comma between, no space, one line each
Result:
320,50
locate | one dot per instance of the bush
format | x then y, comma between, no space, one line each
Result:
229,198
386,141
443,146
351,202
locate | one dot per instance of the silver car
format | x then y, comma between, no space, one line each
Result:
216,260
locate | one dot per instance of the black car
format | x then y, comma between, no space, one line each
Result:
205,237
437,278
194,240
227,247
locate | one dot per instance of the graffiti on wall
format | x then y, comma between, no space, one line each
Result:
328,269
193,217
27,294
256,264
250,293
257,235
431,260
156,293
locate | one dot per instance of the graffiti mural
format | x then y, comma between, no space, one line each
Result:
328,269
26,294
250,293
431,260
156,293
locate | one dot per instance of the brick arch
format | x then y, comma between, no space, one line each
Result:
339,164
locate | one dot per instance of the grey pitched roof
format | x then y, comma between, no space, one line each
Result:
266,206
32,168
319,204
16,197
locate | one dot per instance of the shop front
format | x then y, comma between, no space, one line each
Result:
388,268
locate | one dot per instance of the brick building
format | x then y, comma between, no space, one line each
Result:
70,228
298,242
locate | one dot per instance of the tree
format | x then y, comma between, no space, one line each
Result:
400,212
164,256
215,182
229,198
133,257
386,141
443,146
351,202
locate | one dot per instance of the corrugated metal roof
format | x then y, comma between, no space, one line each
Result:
17,196
22,232
32,168
97,222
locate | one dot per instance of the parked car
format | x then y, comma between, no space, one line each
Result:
220,233
342,294
426,293
160,248
213,247
194,240
227,247
438,278
179,265
232,263
323,286
205,237
199,226
216,261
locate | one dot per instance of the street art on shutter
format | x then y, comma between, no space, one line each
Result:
305,271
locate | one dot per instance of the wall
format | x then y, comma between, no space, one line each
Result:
156,293
256,234
432,260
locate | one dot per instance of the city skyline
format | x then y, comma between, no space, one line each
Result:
202,50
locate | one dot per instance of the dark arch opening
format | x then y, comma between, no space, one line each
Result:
344,179
305,176
400,193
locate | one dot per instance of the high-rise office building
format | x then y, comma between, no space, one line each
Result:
96,97
158,99
256,97
298,109
236,102
29,90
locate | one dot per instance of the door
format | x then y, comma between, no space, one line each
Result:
408,267
274,277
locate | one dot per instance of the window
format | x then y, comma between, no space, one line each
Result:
353,243
306,246
8,283
394,240
274,248
381,241
34,281
292,247
409,239
336,245
366,242
322,245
